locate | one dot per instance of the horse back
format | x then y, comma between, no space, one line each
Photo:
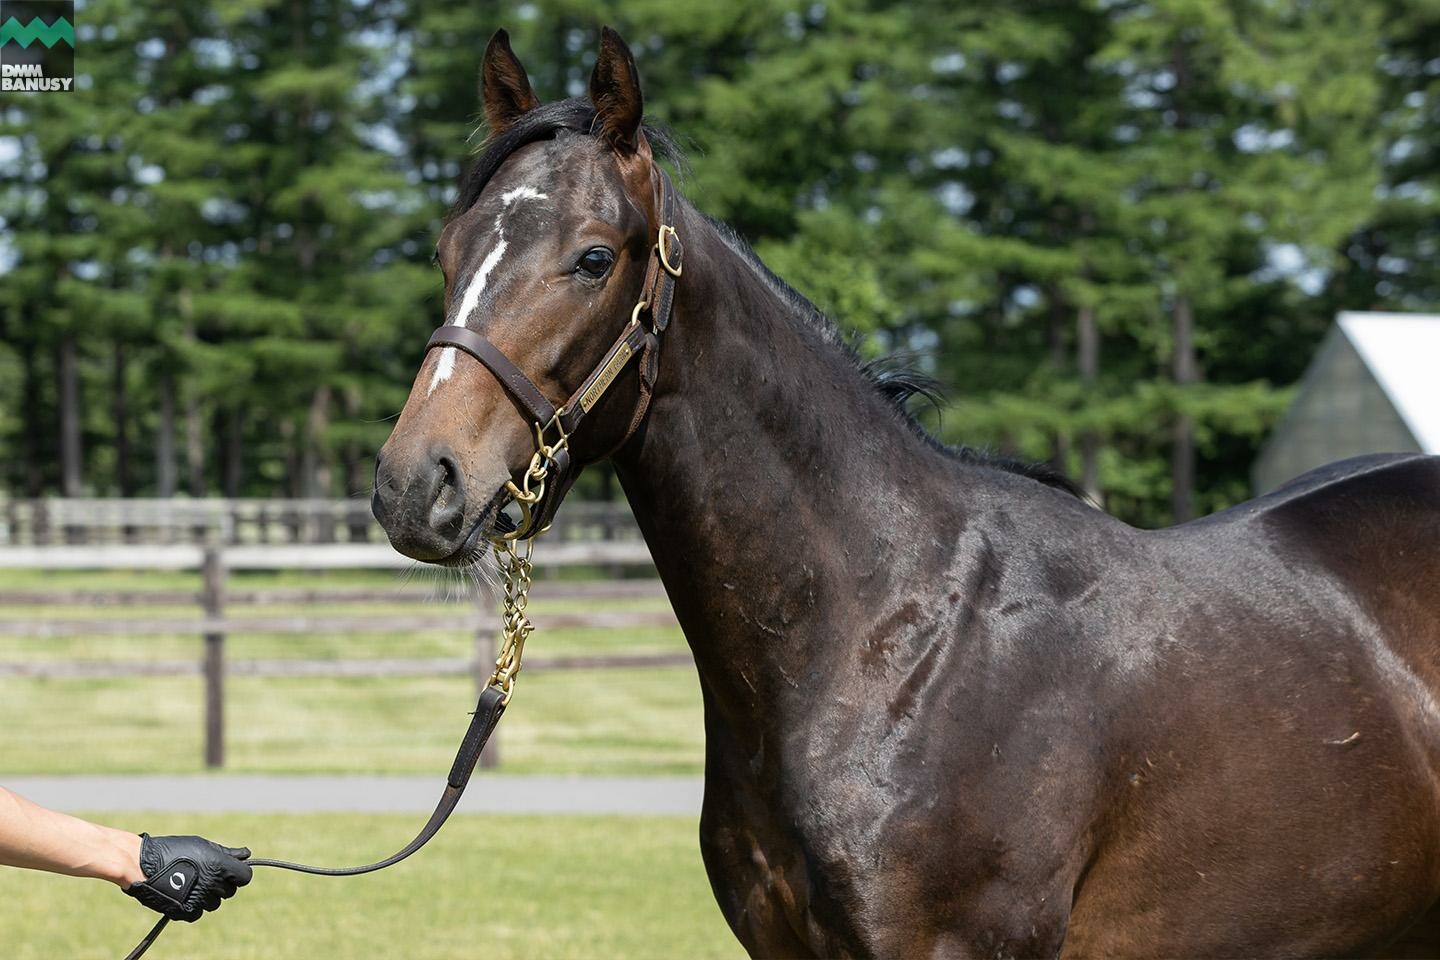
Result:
1292,732
1373,523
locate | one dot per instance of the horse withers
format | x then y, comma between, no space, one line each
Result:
951,709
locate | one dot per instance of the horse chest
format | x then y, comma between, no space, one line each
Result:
792,885
813,852
774,881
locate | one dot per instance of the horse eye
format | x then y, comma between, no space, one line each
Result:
595,262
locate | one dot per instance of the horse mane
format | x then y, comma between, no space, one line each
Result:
897,379
894,376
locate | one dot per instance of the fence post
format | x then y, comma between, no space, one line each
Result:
486,650
213,599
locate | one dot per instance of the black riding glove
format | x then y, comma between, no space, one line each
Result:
185,876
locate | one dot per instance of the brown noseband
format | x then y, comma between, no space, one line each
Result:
551,468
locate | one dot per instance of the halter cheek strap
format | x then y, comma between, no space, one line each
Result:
552,467
510,376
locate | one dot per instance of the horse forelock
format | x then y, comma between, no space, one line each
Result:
575,116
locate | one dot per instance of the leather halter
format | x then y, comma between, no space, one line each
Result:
554,466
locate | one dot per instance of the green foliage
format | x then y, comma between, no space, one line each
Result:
241,198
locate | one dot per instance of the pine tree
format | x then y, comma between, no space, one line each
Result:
239,206
1393,259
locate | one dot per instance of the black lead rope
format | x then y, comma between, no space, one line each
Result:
149,938
482,725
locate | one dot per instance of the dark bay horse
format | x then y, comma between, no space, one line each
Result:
950,708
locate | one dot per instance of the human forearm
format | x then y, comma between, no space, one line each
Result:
40,839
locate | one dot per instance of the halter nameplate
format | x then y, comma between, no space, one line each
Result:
607,376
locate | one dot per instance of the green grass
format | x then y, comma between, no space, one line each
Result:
642,722
493,887
612,722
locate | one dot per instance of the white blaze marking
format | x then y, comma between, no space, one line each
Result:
471,300
445,367
468,303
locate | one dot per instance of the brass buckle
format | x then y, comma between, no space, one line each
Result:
662,246
531,489
526,497
561,442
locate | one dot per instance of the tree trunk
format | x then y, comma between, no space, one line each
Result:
34,476
194,445
165,466
560,55
234,452
1182,460
194,429
1060,442
314,463
352,462
121,412
1087,357
71,468
356,478
293,487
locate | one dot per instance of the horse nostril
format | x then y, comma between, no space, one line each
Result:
383,495
449,505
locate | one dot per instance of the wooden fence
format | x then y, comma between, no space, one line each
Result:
180,520
212,624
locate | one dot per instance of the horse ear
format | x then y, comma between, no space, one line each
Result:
615,92
504,85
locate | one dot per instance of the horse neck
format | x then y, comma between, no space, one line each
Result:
783,499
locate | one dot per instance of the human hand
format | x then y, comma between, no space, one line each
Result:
186,876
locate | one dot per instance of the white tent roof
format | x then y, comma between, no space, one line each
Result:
1402,351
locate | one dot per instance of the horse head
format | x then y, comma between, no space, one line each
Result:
548,257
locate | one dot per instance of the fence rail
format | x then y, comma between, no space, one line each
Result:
380,667
178,520
217,618
397,623
415,593
331,556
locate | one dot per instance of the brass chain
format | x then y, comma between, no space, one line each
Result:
515,626
512,555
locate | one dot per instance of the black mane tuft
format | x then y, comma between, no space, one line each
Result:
898,381
1041,472
896,377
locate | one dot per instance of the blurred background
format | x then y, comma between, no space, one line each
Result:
1119,233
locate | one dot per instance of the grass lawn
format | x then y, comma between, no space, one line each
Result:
493,887
612,722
